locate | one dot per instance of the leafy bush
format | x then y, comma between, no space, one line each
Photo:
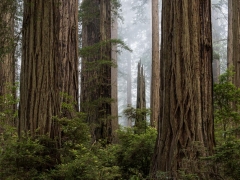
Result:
26,158
135,152
226,158
39,157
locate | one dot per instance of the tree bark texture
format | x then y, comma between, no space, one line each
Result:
96,97
185,130
7,62
114,79
141,97
230,35
234,40
155,65
49,65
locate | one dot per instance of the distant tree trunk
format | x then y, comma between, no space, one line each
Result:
7,62
230,35
233,40
216,67
185,130
141,97
155,65
114,74
49,65
89,97
140,121
129,88
96,69
234,44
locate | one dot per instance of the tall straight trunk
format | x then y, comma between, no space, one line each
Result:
234,44
96,98
49,65
230,35
141,96
114,75
185,130
129,87
105,110
89,97
7,63
233,40
155,81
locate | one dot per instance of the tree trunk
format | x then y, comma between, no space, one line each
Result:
114,79
49,65
155,65
234,41
7,63
96,98
129,87
185,130
140,121
234,44
89,96
216,67
230,35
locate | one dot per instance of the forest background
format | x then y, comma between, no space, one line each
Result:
85,145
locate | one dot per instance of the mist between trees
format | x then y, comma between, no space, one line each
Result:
119,89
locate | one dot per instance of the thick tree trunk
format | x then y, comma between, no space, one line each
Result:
7,63
185,130
49,65
155,65
96,69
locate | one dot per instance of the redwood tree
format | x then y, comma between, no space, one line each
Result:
96,87
114,75
140,121
155,81
49,65
185,130
233,39
7,62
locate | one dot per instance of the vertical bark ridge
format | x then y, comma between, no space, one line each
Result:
49,64
186,120
7,64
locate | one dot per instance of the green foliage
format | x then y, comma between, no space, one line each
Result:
136,113
7,12
135,152
226,158
88,13
7,104
92,51
25,159
139,116
115,8
38,158
216,55
226,106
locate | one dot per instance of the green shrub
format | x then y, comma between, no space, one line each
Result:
25,159
135,152
226,158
